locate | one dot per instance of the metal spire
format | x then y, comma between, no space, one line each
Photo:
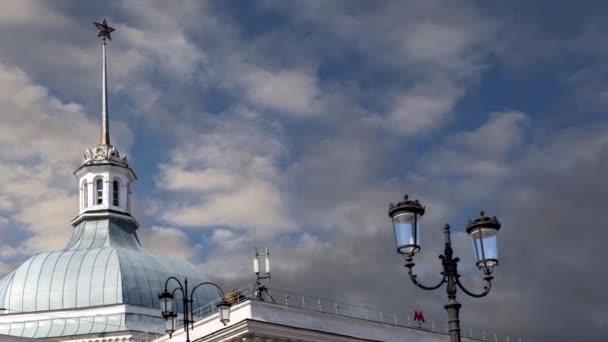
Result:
103,30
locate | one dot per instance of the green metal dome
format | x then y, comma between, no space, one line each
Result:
103,265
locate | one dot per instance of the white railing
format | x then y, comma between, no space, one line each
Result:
310,303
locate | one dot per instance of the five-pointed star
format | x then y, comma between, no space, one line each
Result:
103,30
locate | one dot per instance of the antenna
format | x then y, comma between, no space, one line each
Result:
260,289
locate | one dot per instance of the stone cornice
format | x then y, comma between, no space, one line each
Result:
102,213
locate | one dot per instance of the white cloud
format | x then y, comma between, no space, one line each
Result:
37,158
436,49
226,177
290,92
167,241
153,46
422,108
437,41
482,152
24,12
4,268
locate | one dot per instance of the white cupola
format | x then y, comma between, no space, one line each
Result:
104,177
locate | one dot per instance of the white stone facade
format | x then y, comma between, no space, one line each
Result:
108,174
256,321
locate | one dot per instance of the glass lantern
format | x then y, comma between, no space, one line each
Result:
406,225
224,308
170,322
166,304
484,232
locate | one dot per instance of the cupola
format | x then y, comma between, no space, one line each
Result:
104,177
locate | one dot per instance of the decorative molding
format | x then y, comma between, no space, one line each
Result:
102,213
104,153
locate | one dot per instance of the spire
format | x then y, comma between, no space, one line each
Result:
104,152
104,31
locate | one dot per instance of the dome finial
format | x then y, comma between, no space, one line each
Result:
103,30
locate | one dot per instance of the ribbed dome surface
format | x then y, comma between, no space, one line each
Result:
103,264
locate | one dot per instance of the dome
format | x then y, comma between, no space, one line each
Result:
103,265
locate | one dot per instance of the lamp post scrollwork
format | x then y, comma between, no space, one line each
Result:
406,217
169,313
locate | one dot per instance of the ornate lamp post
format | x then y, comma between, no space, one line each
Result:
170,314
406,224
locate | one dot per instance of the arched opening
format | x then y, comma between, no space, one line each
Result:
85,194
99,190
115,192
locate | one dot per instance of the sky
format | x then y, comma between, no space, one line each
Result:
294,124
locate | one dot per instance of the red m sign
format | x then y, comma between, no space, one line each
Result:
418,316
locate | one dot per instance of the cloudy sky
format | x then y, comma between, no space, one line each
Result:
295,124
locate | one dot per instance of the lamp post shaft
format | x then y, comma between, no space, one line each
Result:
186,320
450,269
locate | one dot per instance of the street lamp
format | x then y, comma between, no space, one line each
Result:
406,217
169,313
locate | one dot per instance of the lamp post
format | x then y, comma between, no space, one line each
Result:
406,217
170,314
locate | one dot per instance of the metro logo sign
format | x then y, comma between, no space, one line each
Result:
418,316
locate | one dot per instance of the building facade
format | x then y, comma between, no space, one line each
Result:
262,321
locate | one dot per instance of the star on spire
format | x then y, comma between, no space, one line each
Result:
103,30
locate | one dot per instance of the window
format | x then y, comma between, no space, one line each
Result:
128,196
99,188
115,187
85,194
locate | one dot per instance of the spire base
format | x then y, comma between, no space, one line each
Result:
104,153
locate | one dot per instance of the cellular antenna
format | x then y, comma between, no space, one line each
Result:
261,291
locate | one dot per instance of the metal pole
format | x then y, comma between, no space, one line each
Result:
186,320
452,307
105,131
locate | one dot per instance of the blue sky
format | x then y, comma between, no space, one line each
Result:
294,124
